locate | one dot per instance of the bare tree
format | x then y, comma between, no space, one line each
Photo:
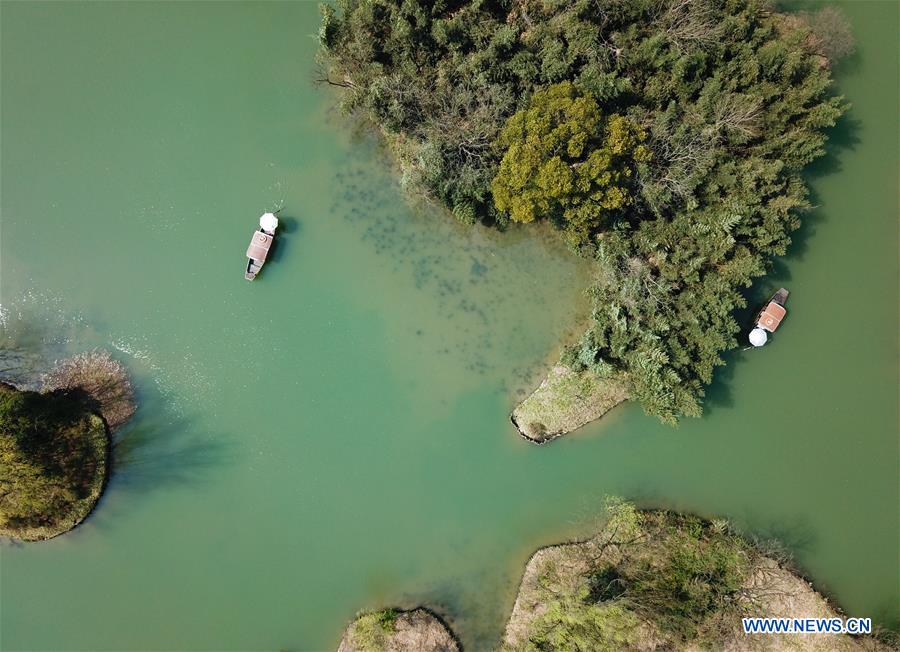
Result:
687,22
104,379
832,34
322,76
735,113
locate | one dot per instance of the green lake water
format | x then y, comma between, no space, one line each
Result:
334,436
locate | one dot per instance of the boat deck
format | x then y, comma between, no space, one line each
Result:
770,317
259,246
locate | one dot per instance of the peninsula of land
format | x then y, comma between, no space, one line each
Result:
665,141
565,401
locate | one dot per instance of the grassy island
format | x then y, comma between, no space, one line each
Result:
55,455
55,445
390,630
664,139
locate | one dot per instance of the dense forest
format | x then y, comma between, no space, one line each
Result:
663,138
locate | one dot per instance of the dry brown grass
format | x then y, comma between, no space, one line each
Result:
417,630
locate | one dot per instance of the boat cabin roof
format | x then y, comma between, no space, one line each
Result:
771,316
259,246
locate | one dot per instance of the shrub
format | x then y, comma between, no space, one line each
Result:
370,631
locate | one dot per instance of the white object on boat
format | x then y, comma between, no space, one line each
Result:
268,223
758,337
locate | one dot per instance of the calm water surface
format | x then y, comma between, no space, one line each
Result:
334,436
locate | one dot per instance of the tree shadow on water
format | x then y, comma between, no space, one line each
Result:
783,538
155,451
718,393
161,451
843,136
159,448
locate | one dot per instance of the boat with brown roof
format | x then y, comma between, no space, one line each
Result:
260,244
769,318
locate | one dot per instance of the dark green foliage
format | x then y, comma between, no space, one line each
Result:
605,584
48,456
722,195
732,100
425,72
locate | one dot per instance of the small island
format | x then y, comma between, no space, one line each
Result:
391,630
55,445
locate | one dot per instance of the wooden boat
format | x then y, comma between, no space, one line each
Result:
260,244
769,318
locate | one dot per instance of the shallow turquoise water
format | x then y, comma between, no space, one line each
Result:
335,436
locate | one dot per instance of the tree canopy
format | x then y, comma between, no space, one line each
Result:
52,453
665,138
564,162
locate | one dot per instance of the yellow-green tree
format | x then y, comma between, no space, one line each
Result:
566,162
